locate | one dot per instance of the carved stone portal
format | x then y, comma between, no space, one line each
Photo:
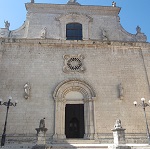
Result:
74,92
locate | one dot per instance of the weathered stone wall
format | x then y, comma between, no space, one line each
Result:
40,63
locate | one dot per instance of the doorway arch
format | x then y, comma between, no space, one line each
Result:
74,92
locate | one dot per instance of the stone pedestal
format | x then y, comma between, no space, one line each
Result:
41,134
119,136
4,32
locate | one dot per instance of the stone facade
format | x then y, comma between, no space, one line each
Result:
106,57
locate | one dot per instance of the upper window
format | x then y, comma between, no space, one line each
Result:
74,31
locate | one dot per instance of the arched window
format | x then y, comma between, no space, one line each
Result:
74,31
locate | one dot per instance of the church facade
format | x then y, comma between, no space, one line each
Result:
76,67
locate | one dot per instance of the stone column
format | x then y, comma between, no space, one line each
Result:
89,119
59,119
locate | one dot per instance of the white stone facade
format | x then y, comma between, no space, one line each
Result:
120,58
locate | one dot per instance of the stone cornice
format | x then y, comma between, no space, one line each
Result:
75,43
51,8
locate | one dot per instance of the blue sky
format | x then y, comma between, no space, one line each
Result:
133,12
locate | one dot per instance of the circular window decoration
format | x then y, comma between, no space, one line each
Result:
74,63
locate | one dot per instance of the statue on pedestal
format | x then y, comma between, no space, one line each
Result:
117,124
73,2
119,137
42,123
41,132
139,35
138,29
7,24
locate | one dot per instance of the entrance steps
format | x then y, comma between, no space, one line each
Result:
71,146
78,144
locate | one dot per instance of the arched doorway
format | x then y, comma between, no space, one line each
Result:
70,95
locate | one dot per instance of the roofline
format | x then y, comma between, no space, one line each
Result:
102,10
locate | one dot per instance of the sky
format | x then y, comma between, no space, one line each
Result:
133,12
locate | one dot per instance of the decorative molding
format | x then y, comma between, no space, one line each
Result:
73,63
83,19
74,16
60,90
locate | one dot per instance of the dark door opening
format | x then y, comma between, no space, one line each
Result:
74,121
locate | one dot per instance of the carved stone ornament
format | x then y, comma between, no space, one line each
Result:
72,2
117,124
141,37
26,90
43,33
121,91
73,63
104,35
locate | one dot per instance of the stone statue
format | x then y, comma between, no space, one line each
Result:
7,24
121,90
114,4
42,123
139,35
32,1
138,29
118,124
26,91
72,1
104,35
43,33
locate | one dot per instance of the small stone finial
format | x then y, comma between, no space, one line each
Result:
117,124
32,1
138,29
114,4
7,24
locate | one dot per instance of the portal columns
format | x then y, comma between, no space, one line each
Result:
89,119
59,119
